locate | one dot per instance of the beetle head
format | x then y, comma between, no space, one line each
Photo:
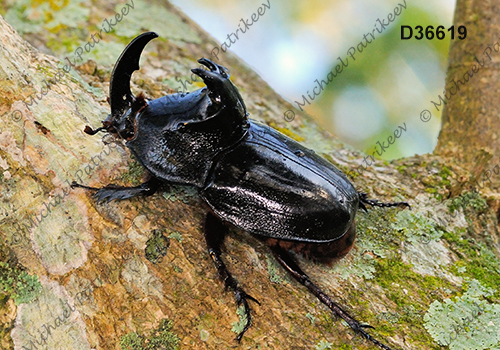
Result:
191,108
124,105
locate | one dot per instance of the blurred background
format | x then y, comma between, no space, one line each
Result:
296,42
292,44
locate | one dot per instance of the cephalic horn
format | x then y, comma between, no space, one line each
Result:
120,96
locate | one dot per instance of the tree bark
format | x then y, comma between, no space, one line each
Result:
98,277
471,116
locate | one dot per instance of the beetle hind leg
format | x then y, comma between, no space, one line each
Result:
287,261
112,192
215,231
363,200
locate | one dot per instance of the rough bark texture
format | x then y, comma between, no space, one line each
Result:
472,113
87,273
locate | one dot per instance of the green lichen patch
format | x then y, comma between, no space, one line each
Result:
62,237
416,227
471,203
375,238
362,265
156,246
18,284
160,338
139,280
311,317
323,345
465,322
240,325
179,193
274,270
204,335
50,320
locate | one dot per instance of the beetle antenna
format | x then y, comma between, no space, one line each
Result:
90,131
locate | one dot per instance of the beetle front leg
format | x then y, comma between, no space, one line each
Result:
112,192
215,231
287,261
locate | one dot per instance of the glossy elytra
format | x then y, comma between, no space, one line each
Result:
248,174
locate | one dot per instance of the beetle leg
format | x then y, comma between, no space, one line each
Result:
112,192
215,231
376,203
287,261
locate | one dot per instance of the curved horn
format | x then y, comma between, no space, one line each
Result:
120,96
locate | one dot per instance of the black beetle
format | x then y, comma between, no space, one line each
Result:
250,175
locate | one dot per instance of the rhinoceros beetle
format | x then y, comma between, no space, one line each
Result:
250,175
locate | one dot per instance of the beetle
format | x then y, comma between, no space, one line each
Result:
251,176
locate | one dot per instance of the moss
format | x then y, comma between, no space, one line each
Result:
438,181
176,235
401,169
345,347
17,284
431,190
444,174
177,269
287,132
131,341
468,201
156,246
477,261
163,338
159,338
65,41
413,291
391,271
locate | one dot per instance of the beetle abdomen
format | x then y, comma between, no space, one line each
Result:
271,186
324,252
